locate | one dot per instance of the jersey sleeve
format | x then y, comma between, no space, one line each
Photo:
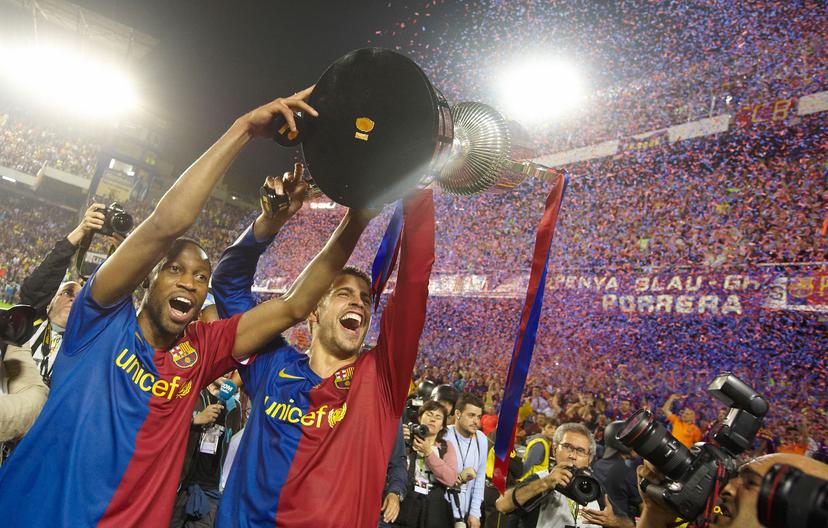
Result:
215,341
255,369
404,315
232,280
88,319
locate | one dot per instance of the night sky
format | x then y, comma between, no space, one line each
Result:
216,60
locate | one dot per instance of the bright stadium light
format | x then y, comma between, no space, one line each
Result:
539,90
68,80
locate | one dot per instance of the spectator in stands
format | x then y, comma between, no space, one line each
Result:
684,427
795,438
534,424
471,448
488,422
539,402
623,411
10,292
432,470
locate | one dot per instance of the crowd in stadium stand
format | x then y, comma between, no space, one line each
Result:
27,145
753,195
657,66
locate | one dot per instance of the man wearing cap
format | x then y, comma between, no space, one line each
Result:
616,473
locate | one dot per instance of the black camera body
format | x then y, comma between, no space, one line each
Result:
692,474
116,220
418,430
583,488
17,325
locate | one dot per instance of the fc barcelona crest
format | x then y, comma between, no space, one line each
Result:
184,355
342,378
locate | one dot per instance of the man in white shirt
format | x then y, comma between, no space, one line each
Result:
536,498
472,448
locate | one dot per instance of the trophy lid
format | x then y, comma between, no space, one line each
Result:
376,131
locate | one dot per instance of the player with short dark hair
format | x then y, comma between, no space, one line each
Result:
324,421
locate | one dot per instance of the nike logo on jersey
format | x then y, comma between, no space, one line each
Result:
283,374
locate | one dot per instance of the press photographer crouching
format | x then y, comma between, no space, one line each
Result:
566,494
432,470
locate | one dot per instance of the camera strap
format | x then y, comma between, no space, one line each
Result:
574,509
80,256
454,493
713,499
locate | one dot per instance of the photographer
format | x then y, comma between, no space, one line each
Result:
431,471
738,501
395,482
26,370
42,284
44,290
539,500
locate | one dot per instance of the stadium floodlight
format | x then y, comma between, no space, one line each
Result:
68,81
540,89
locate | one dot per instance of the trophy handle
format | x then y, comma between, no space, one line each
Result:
283,135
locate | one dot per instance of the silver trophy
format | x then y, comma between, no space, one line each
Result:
483,153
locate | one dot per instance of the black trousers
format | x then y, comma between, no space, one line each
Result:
425,511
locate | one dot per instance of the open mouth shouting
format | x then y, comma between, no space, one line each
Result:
182,309
722,514
351,322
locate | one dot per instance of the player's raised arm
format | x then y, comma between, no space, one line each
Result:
232,279
180,206
261,324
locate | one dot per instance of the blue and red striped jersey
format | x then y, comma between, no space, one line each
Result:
315,451
108,447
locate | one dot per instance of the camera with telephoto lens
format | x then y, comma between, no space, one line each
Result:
17,325
116,220
788,497
694,476
583,488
